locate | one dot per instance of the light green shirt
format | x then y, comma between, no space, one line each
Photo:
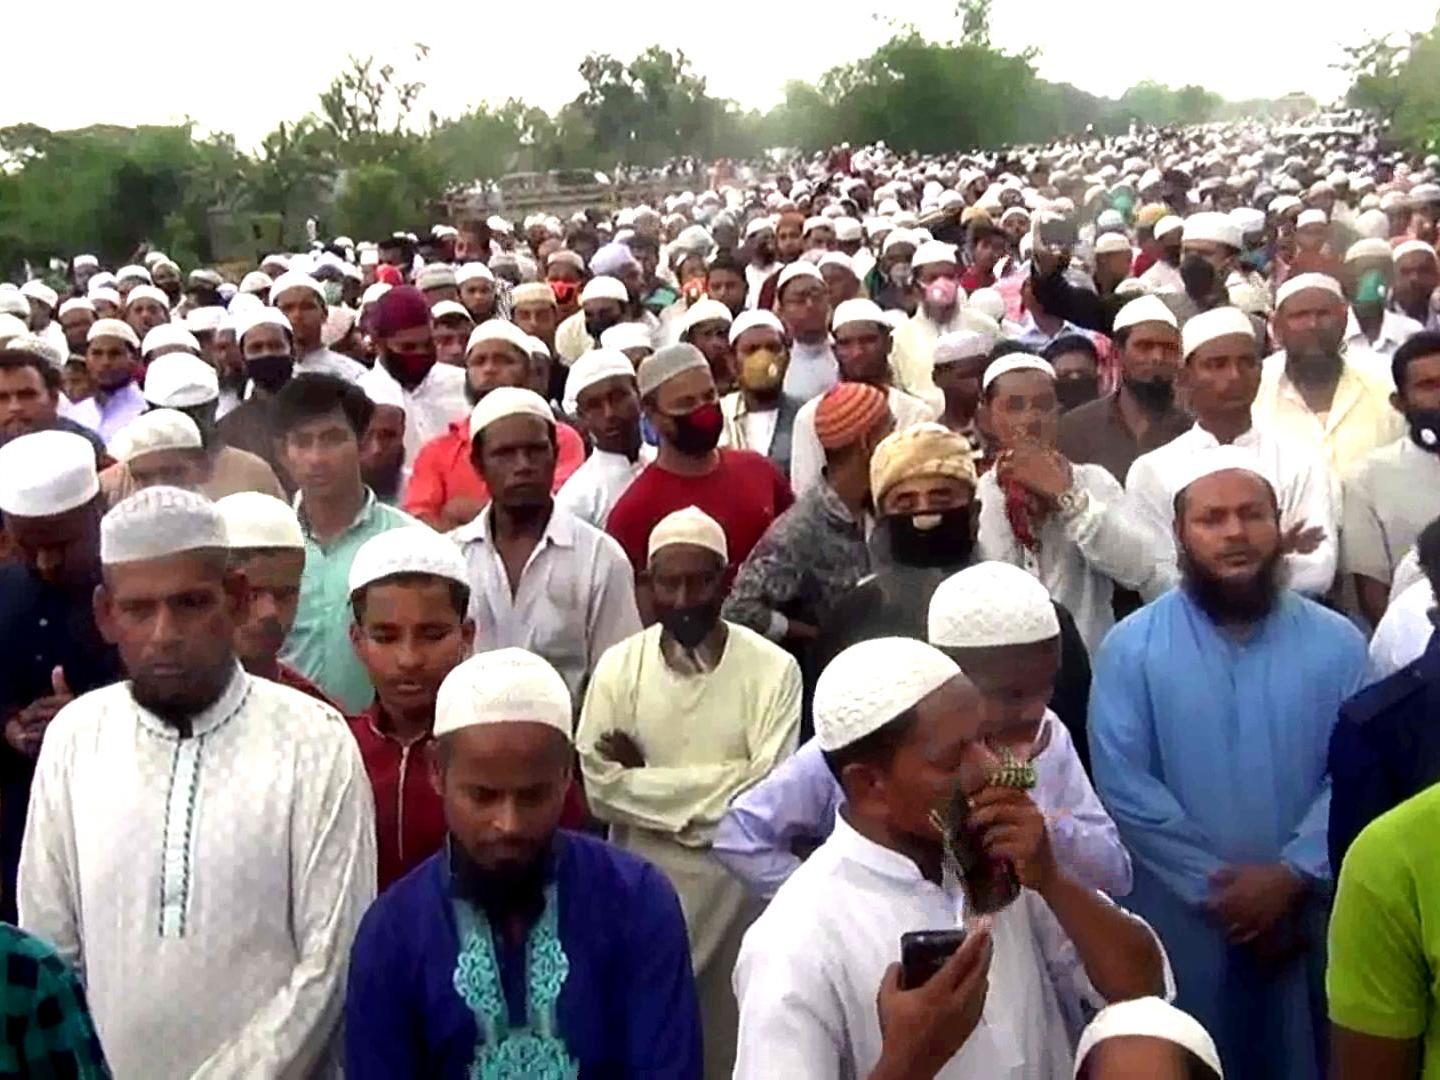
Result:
319,643
1385,930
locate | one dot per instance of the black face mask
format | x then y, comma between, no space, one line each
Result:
1199,276
1077,390
270,372
596,327
947,542
689,625
698,431
1156,395
1425,429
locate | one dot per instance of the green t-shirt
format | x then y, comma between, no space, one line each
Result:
1385,930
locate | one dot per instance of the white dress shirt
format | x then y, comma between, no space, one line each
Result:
807,456
1304,489
595,487
207,889
1403,633
813,369
1395,330
435,403
811,965
575,599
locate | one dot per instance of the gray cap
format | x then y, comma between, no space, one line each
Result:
665,364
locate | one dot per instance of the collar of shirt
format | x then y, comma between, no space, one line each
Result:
367,510
1030,332
208,719
862,851
559,530
834,505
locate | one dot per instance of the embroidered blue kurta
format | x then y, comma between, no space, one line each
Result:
1211,752
627,1007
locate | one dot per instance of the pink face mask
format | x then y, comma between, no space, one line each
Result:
941,292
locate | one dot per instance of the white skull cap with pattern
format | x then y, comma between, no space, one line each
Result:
508,401
414,549
748,320
46,473
962,345
703,311
36,289
158,522
256,520
627,335
991,603
167,335
605,288
505,686
115,328
498,330
207,320
665,364
132,272
1215,323
147,292
593,367
293,279
1149,1017
688,526
1145,309
76,303
871,683
1217,459
932,253
153,431
1301,282
248,318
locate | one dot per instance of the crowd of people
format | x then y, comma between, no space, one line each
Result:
901,617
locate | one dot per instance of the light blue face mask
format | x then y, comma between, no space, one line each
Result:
332,290
1256,259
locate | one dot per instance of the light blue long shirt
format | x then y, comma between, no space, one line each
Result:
1211,752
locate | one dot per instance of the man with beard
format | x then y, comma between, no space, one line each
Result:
762,266
541,579
30,393
112,355
443,973
1163,276
451,326
1417,275
803,305
161,809
432,394
165,275
76,317
1309,392
1226,819
862,348
49,495
662,786
601,393
267,545
758,414
1220,377
935,267
444,490
1395,492
267,351
738,488
382,447
1141,414
477,290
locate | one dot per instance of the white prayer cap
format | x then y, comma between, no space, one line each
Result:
435,276
759,224
496,223
933,252
282,261
987,301
532,292
157,522
604,288
1217,459
46,473
1215,323
1411,247
115,328
1248,218
415,549
207,320
538,348
13,302
664,364
1167,225
569,258
76,303
168,334
1301,282
256,520
85,260
858,310
374,292
991,603
155,258
1369,248
1282,203
962,345
370,257
447,309
11,328
836,258
137,273
688,526
147,292
179,381
501,687
103,293
36,289
24,341
256,281
813,223
472,270
1150,1017
848,230
508,401
869,684
593,367
293,279
158,429
249,318
1311,217
798,268
498,330
628,335
384,392
748,320
1112,243
1373,223
1145,309
1214,227
703,311
1249,298
1015,362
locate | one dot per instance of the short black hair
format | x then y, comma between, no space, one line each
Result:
724,260
877,748
985,230
459,594
310,396
1427,551
1072,343
15,359
1425,343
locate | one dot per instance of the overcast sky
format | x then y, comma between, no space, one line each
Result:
243,68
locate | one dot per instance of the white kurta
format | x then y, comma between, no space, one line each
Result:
430,408
329,362
208,888
807,456
593,489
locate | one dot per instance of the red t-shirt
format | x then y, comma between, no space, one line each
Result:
744,493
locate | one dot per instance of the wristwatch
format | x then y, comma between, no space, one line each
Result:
1072,501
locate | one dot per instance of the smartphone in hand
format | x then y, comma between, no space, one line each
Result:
924,952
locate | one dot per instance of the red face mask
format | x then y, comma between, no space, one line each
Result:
565,291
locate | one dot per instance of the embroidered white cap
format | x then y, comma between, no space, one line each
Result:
688,526
153,431
415,549
991,603
158,522
46,473
505,686
871,683
256,520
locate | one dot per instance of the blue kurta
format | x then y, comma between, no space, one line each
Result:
1211,752
628,1006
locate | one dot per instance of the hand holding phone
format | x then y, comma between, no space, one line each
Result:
923,1028
924,952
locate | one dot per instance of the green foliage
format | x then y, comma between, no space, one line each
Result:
1399,81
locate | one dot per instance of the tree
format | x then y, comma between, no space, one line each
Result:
1374,67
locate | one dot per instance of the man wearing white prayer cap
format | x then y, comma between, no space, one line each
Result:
42,317
1229,835
1146,1037
1221,376
160,447
112,357
758,414
168,338
49,500
1313,393
477,290
942,310
1417,276
632,339
656,782
502,727
193,740
146,307
803,305
452,325
31,397
75,318
806,1006
302,301
706,325
601,392
542,579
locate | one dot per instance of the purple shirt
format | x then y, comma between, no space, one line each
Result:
106,420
